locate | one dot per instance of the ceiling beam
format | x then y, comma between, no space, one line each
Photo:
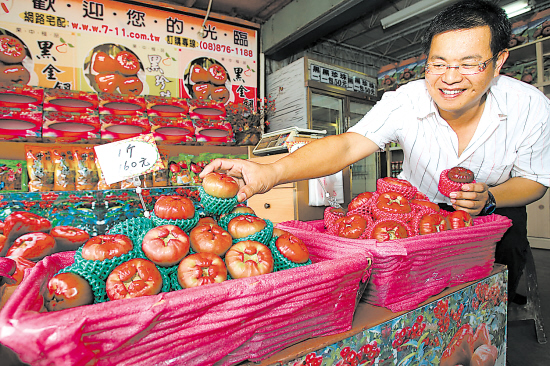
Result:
301,23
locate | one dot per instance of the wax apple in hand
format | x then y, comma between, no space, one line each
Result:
165,245
67,290
220,185
68,237
292,248
134,278
174,207
201,269
210,238
101,247
245,225
32,246
248,258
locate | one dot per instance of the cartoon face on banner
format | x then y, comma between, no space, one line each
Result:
206,78
114,68
16,62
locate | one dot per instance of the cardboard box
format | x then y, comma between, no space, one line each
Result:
206,109
74,101
24,97
71,127
172,130
129,105
166,107
119,127
214,132
18,124
223,323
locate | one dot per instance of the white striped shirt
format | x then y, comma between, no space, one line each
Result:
512,138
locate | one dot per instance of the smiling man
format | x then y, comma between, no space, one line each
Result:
462,114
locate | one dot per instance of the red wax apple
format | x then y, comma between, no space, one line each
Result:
67,290
201,269
424,203
174,207
32,246
460,175
207,220
220,94
459,218
278,232
481,336
292,248
11,50
360,201
101,247
21,222
104,63
397,182
210,238
130,85
134,278
165,245
484,355
243,209
391,203
14,74
199,74
218,76
220,185
384,230
245,225
107,82
460,348
22,264
351,226
248,258
432,223
1,227
68,237
3,243
202,91
128,63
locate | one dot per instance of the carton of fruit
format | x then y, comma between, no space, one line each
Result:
224,323
406,272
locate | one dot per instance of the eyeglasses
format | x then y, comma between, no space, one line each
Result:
439,68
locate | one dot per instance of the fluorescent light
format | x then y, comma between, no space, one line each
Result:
517,8
412,11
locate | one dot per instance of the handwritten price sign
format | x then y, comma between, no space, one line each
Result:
128,158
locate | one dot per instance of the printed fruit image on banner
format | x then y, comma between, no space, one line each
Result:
15,59
114,68
206,78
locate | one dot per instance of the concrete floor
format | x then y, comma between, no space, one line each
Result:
523,348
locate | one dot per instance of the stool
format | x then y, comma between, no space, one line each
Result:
531,310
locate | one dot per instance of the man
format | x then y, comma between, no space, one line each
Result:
462,114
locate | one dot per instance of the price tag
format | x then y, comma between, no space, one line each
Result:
128,158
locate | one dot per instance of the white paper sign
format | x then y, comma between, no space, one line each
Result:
128,158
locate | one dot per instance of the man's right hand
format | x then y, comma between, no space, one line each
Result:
252,177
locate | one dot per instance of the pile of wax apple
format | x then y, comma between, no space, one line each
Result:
235,245
397,210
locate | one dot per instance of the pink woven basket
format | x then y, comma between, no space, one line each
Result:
408,271
224,323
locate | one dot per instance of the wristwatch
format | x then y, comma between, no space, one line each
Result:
490,205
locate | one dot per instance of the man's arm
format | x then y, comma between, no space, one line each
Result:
514,192
319,158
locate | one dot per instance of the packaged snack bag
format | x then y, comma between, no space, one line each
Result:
64,168
40,168
179,169
160,177
13,175
86,175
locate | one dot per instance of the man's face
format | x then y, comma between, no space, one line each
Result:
456,94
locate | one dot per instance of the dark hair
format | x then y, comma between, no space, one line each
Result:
469,14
